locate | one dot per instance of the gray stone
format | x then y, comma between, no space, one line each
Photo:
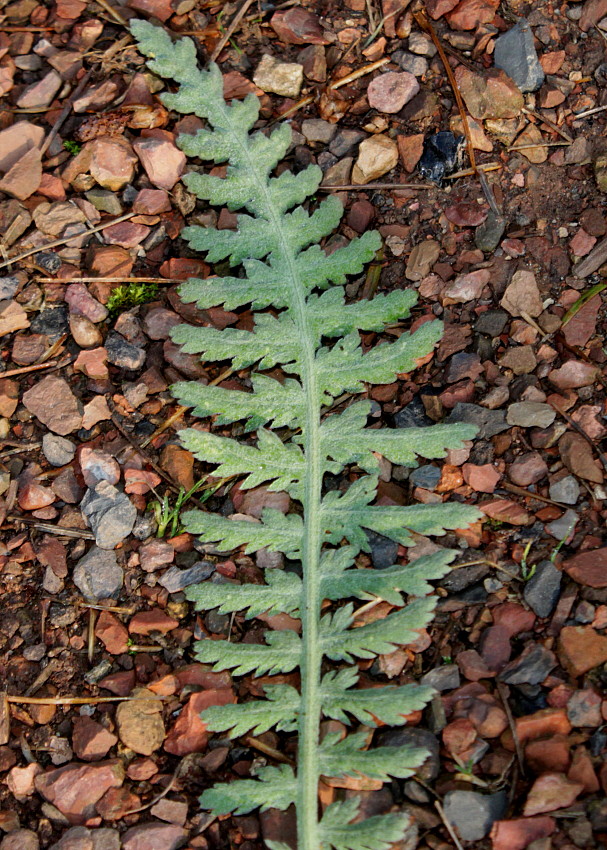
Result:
491,322
566,491
8,287
175,579
563,527
488,234
97,575
426,476
531,667
104,200
515,54
423,739
57,450
489,422
445,678
52,322
122,353
20,839
110,514
543,589
530,414
317,130
413,415
383,550
474,814
416,65
345,141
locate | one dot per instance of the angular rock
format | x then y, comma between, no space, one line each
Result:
122,353
110,514
76,788
573,374
90,740
189,733
490,95
20,839
97,465
175,579
17,140
543,589
588,568
581,649
473,814
518,834
53,403
466,287
550,792
283,78
162,160
516,55
421,259
298,26
489,422
23,178
522,295
112,633
391,91
154,835
530,414
578,457
155,620
97,575
112,162
12,317
376,156
531,667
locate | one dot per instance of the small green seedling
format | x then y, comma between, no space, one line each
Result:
129,295
168,515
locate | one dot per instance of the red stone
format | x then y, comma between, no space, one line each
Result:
189,734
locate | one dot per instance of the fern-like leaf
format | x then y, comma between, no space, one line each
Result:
379,832
305,329
274,788
278,711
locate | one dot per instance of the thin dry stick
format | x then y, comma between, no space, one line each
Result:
113,13
548,123
22,700
539,145
448,825
590,112
256,744
168,280
65,112
23,370
230,30
115,609
63,241
424,22
517,744
53,529
369,187
52,667
520,491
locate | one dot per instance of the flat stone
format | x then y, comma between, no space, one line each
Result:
516,55
154,835
112,633
57,450
530,414
581,649
541,592
531,667
550,792
517,834
17,140
23,178
466,287
573,374
588,568
139,722
20,839
298,26
487,235
41,93
97,465
155,554
566,490
522,295
391,91
468,14
520,359
489,422
175,579
578,457
162,160
444,678
110,514
421,259
113,162
189,732
75,788
53,403
528,468
473,814
489,95
146,622
584,709
97,575
376,156
12,317
283,78
90,740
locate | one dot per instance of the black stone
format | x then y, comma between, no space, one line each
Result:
543,589
441,155
489,422
52,322
413,415
383,550
491,323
